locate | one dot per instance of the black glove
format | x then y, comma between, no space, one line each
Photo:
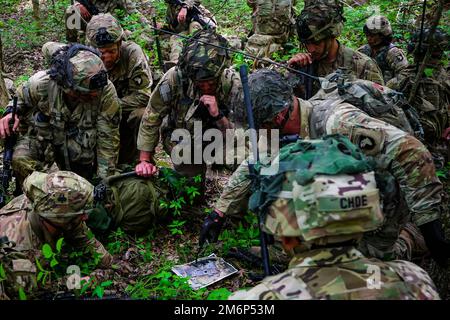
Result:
435,240
211,228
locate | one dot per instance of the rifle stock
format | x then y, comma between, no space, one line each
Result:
254,143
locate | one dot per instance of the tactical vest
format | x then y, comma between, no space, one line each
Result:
72,134
381,60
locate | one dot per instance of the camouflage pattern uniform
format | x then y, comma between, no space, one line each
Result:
74,134
390,58
131,77
432,98
175,99
321,21
316,210
400,158
73,17
59,198
185,29
272,24
343,273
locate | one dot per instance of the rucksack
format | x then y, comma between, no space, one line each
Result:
375,100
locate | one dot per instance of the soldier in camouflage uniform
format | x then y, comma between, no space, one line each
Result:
410,187
317,223
318,26
390,58
432,98
54,205
202,89
129,71
179,20
70,114
77,16
272,24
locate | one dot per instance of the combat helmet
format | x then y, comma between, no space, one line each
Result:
378,25
103,30
270,94
79,68
320,20
439,41
324,192
59,197
204,56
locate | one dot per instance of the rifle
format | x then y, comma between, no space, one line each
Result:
251,167
89,7
193,13
308,81
10,142
158,46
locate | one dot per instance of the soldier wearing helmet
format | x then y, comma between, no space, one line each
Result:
53,206
69,114
391,59
403,162
319,219
318,26
201,87
78,15
129,71
432,97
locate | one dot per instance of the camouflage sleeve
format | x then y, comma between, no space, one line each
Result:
372,72
108,137
234,198
82,238
397,61
260,292
162,100
139,81
232,94
403,155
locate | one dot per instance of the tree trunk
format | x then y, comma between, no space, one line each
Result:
3,92
36,14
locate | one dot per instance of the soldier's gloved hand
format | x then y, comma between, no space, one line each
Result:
300,60
211,227
436,242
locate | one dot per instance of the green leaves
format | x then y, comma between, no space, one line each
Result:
428,72
2,272
47,251
219,294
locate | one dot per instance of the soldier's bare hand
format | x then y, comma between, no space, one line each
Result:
4,125
210,102
301,60
146,169
84,12
182,15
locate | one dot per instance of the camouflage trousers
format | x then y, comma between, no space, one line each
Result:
129,129
175,45
263,46
33,155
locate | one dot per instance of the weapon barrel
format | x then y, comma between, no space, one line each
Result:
254,142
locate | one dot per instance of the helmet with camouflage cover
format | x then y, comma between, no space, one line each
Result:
79,68
201,61
103,30
439,41
327,192
270,94
60,196
320,20
378,25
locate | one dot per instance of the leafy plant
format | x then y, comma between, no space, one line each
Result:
219,294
